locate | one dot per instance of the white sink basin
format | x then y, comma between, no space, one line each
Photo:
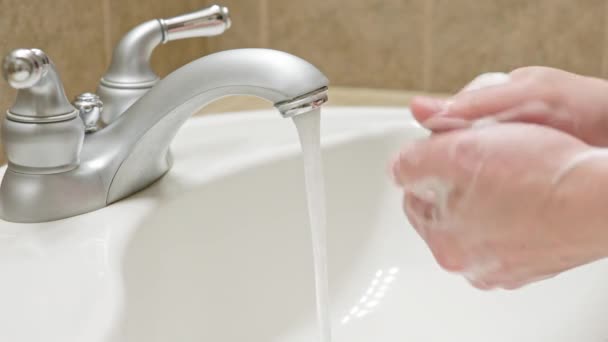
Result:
219,250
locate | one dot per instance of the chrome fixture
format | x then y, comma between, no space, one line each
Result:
56,171
130,75
89,106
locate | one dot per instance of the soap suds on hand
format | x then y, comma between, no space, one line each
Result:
434,192
489,79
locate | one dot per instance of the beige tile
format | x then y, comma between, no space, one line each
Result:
7,95
605,44
367,43
471,36
127,14
70,32
247,25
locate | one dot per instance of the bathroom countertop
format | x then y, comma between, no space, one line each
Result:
338,96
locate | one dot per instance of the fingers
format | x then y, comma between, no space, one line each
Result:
471,105
422,214
438,175
506,280
432,182
441,161
424,107
479,102
465,196
533,112
441,124
487,95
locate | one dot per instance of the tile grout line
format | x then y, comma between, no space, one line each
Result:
264,38
428,46
107,30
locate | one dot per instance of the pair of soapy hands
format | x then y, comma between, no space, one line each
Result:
512,186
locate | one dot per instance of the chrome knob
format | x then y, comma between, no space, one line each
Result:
23,68
89,106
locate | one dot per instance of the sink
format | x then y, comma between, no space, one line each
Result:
219,250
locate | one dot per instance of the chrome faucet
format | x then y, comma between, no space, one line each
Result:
68,159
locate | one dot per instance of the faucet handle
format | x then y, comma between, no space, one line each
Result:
41,132
22,68
40,97
130,75
207,22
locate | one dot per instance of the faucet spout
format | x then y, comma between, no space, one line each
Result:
145,131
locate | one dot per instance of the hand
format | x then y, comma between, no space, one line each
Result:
508,204
571,103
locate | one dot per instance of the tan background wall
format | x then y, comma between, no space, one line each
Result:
428,45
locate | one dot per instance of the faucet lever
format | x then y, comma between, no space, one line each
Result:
23,68
40,97
130,75
41,132
207,22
